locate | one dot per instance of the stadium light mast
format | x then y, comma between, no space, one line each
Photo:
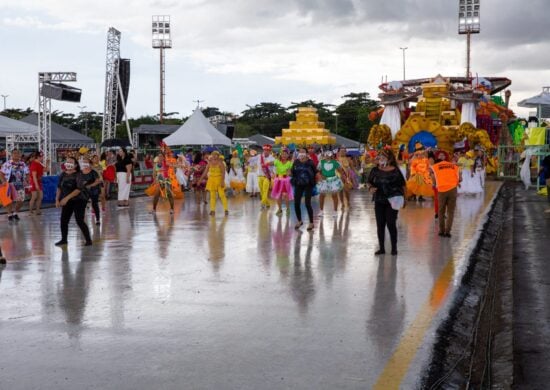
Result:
161,40
468,24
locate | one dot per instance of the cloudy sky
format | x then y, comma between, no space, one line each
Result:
231,53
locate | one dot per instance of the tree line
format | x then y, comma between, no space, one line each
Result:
349,119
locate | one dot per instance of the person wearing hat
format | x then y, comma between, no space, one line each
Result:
265,174
420,184
469,185
252,167
447,177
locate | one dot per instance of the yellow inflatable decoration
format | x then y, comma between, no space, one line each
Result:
380,135
416,123
306,130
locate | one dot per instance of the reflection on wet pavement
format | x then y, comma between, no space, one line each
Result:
237,302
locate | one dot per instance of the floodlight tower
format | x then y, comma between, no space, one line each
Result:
468,23
161,40
113,89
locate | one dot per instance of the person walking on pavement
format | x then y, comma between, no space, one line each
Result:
447,178
124,166
72,197
265,174
303,175
386,183
36,169
15,172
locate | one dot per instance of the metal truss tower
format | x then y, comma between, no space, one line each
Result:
113,89
111,85
45,112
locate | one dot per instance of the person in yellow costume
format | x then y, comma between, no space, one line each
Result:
265,174
236,176
216,181
420,183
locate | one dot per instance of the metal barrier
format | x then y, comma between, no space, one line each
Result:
510,161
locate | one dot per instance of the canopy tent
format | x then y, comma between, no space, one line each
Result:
346,142
60,134
10,126
197,130
261,139
541,102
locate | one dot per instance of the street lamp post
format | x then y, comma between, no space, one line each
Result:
403,49
4,97
85,119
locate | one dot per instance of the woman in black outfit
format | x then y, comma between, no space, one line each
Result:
303,178
386,181
72,197
93,185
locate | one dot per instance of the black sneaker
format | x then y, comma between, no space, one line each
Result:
10,218
441,234
98,222
380,252
394,252
16,217
2,260
61,243
88,243
448,235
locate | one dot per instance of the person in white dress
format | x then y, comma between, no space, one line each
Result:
253,166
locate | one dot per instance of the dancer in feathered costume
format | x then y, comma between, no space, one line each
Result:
162,186
420,184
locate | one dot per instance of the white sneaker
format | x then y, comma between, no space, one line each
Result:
320,214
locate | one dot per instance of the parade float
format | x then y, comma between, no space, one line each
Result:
450,113
306,130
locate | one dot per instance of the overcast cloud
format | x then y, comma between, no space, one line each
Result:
238,52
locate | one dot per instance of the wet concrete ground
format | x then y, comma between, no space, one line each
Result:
238,302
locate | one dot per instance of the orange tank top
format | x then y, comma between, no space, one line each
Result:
446,176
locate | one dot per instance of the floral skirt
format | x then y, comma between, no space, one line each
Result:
330,185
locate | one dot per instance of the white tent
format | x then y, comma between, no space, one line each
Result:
10,126
197,130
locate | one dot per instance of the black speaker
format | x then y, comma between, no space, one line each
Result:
60,91
230,131
124,75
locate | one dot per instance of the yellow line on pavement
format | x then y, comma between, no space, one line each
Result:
399,363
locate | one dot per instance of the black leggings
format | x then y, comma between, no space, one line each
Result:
386,216
300,191
78,207
94,197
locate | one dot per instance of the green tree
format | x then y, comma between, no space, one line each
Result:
348,114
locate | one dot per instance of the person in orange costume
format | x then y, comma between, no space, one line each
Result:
420,183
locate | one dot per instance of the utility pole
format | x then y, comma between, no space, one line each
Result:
4,97
403,49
